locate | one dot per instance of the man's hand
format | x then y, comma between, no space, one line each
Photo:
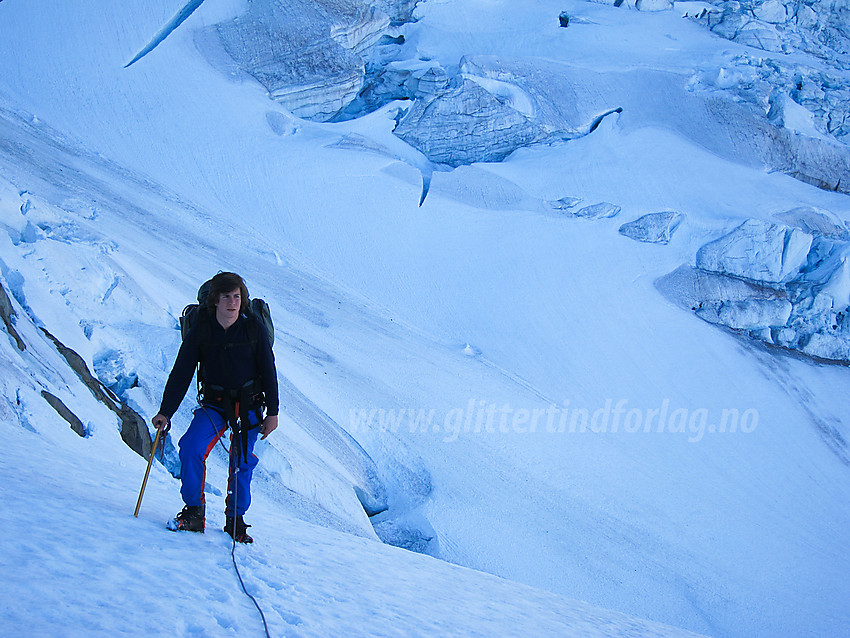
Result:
269,425
161,422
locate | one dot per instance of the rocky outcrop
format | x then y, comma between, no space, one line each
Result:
134,430
7,313
65,412
788,286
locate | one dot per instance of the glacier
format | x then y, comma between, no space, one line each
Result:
544,408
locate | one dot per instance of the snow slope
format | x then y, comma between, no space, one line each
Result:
122,189
80,564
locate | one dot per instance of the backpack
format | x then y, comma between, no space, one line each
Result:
197,313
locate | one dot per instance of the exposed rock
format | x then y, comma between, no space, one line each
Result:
7,313
134,430
757,251
564,19
654,228
466,124
63,411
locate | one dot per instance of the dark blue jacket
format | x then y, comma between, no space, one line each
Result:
229,362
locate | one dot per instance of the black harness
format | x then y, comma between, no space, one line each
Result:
235,405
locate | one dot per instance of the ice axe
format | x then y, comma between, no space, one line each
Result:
148,471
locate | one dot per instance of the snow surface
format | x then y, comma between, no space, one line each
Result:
122,189
94,570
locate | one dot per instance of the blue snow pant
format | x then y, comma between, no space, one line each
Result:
205,430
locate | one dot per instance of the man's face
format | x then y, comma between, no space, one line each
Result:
228,306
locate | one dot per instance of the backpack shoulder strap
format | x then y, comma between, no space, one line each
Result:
204,339
253,328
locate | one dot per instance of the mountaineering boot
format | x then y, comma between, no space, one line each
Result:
237,529
190,519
